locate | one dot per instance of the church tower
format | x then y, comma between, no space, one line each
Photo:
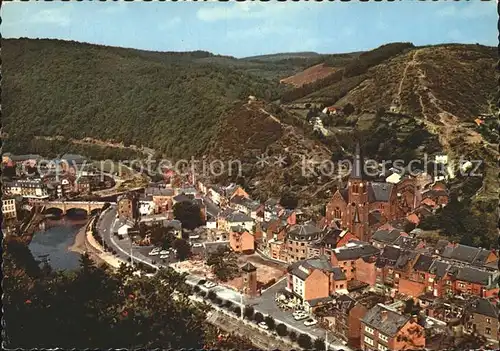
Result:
249,279
358,206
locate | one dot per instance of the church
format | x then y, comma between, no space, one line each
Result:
363,204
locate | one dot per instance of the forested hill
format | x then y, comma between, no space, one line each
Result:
168,101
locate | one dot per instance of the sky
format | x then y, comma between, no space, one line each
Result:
250,28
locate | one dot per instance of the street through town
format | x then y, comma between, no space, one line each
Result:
264,304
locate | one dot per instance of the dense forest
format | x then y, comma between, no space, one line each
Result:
153,99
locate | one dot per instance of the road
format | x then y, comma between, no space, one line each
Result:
264,303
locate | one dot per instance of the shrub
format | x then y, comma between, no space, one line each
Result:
248,312
202,293
237,310
258,317
319,344
304,341
281,329
229,304
218,301
211,295
196,289
270,322
292,336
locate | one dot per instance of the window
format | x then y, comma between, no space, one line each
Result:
337,213
369,331
488,331
342,286
369,341
302,244
382,347
383,337
488,320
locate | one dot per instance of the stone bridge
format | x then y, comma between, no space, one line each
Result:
65,206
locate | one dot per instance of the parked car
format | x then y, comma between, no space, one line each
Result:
164,256
197,245
263,325
300,316
164,252
310,322
209,284
153,252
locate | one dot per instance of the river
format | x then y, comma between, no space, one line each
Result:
54,241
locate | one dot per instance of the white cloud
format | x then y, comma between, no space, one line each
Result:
57,16
171,23
115,7
475,9
246,10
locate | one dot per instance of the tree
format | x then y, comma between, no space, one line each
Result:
237,310
270,322
304,341
189,214
211,295
281,329
248,312
161,236
348,109
94,307
319,344
258,317
292,336
289,200
223,263
183,249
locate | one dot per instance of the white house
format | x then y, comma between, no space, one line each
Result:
393,178
146,206
240,219
216,194
123,231
211,223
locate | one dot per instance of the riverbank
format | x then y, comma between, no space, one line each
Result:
86,243
78,245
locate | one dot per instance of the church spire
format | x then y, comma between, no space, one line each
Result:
357,166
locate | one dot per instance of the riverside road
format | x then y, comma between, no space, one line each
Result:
264,304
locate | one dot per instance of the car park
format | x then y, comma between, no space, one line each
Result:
300,316
310,322
263,325
154,252
209,284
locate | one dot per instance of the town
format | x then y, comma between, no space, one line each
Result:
361,276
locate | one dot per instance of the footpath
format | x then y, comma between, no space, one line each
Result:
94,248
